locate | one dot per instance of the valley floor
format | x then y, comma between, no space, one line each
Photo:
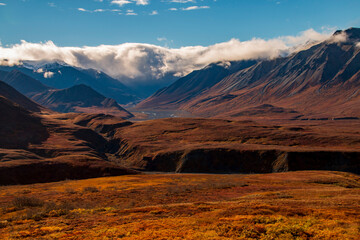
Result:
292,205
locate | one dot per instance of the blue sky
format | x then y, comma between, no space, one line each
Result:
197,22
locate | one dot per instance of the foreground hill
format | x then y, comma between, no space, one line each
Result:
296,205
80,98
37,147
319,82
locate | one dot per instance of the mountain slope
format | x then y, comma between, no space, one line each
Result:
13,95
23,83
188,87
18,126
319,82
80,98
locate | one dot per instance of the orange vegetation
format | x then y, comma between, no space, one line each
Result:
292,205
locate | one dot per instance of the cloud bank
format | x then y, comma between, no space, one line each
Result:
137,62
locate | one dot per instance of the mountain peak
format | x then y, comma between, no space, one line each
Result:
81,86
351,33
48,65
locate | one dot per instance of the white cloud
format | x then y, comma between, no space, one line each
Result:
338,38
130,12
99,10
2,4
142,2
173,9
181,1
165,41
48,74
195,8
120,2
154,12
140,62
123,2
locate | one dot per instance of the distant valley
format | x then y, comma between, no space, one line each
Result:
299,112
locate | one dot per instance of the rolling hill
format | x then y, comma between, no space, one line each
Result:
43,147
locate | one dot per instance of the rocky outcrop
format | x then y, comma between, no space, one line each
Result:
252,161
42,171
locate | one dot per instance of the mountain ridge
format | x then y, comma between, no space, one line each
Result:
60,75
80,98
192,85
326,73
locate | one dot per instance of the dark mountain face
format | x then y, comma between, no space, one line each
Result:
23,83
353,34
63,76
80,98
190,86
13,95
19,127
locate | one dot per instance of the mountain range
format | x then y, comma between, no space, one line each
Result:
319,82
78,98
60,75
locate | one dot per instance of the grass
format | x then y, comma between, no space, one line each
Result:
295,205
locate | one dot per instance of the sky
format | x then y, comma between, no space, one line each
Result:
170,23
143,41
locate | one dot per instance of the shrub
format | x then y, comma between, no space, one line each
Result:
91,189
70,191
3,224
23,202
